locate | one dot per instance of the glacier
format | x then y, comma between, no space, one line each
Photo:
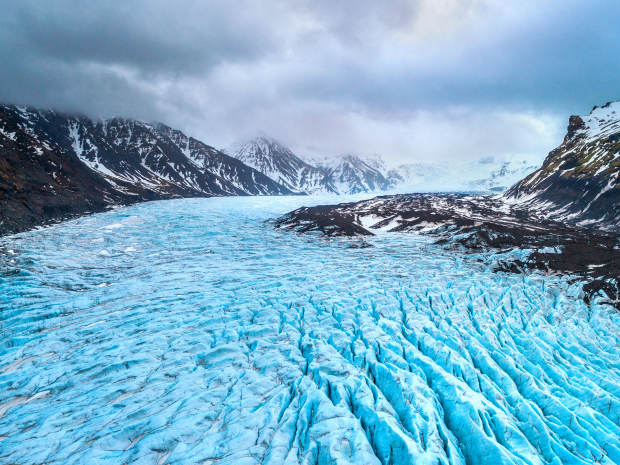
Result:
193,331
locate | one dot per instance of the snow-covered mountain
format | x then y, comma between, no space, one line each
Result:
579,179
348,174
482,175
352,175
55,164
374,161
278,162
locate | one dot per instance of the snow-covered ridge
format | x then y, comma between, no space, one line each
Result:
353,174
600,123
278,162
133,154
484,175
348,174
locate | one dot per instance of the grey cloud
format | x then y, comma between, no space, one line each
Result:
559,60
89,56
149,36
332,75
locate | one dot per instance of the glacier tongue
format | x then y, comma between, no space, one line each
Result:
206,336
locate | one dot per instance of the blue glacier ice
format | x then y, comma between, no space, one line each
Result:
191,331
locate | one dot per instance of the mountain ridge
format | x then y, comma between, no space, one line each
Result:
56,165
346,174
279,163
353,175
578,180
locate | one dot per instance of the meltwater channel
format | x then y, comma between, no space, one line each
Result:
192,331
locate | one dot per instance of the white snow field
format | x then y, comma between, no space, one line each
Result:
191,331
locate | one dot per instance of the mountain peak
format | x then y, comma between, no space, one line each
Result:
63,165
354,175
278,162
579,179
346,174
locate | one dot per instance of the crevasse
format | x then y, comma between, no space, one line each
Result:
204,335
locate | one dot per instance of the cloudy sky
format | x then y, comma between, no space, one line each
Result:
413,80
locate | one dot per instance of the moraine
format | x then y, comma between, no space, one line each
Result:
193,331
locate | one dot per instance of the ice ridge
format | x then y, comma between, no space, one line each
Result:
207,336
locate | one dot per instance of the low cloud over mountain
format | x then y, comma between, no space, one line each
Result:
414,80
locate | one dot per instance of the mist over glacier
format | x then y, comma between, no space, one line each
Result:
192,331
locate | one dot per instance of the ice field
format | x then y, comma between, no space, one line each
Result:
191,331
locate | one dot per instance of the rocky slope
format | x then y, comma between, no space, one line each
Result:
54,165
578,181
278,162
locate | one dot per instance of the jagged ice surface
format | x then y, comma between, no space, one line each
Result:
190,331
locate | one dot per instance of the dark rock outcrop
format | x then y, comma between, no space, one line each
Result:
578,181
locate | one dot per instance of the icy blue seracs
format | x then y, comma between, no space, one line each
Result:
190,332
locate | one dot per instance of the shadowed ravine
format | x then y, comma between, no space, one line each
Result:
193,331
